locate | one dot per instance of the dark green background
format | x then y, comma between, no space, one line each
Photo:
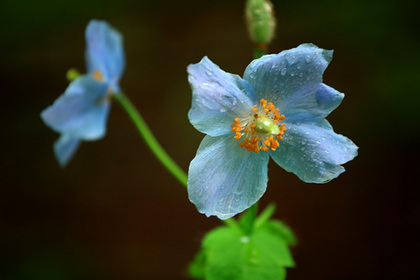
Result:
115,213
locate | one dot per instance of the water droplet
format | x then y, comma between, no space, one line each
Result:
283,71
298,67
291,59
254,257
292,74
244,239
308,58
223,109
234,101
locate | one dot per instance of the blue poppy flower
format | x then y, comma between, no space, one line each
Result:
277,109
81,112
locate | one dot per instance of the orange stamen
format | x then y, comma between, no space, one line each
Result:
97,75
247,130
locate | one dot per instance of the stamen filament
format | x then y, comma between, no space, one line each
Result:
265,123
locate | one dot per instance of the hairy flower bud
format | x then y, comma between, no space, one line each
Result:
260,20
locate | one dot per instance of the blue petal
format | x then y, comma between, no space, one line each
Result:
225,179
218,98
314,152
64,149
104,51
312,107
81,112
289,78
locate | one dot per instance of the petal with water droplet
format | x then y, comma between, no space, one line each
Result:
218,98
313,106
298,76
313,160
225,179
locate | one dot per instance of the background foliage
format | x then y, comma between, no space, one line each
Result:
115,213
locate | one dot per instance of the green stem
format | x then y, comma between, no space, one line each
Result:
247,221
150,139
154,145
260,50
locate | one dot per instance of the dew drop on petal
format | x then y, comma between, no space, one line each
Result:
291,59
283,71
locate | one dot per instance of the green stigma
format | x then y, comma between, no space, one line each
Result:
266,126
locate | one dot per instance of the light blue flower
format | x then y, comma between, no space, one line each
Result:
82,111
277,109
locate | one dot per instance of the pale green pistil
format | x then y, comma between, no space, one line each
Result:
266,126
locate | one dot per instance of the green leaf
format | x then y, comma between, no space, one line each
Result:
282,231
229,254
265,215
198,265
247,219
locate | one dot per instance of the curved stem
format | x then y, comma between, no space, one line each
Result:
154,145
150,139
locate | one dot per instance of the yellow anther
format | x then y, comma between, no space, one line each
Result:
97,75
263,102
238,135
270,128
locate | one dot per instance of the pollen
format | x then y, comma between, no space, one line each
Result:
97,75
262,129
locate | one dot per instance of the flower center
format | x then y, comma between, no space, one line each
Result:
262,129
97,75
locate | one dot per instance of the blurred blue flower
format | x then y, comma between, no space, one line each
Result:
277,109
81,112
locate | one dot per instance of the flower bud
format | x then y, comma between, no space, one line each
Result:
72,74
260,20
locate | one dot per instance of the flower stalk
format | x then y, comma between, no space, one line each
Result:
150,139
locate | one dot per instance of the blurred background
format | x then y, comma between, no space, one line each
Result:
115,213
